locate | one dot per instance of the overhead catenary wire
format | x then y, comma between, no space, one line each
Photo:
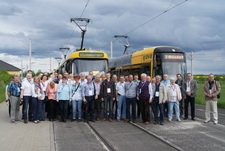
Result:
82,13
167,10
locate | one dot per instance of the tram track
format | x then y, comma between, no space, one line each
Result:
103,140
110,146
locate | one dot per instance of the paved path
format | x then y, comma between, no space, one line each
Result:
24,137
55,136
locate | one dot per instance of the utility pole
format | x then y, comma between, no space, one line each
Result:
191,58
58,59
111,48
30,51
50,64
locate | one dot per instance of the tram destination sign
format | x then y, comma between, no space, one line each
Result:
91,55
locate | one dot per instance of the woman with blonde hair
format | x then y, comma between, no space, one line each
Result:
52,92
37,93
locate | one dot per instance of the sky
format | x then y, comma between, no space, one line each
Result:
195,26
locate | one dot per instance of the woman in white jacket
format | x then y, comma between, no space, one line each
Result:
173,98
37,94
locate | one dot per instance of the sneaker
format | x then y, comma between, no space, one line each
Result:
13,122
215,123
169,120
118,120
35,122
38,121
25,122
193,119
206,121
134,121
178,120
161,123
110,120
79,120
73,120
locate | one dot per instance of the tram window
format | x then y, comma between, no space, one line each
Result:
69,67
158,66
146,68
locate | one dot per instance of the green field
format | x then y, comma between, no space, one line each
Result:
200,96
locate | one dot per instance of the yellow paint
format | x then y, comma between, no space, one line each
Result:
14,72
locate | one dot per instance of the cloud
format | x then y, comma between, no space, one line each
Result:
193,26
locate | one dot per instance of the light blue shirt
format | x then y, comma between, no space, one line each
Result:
64,92
166,83
88,89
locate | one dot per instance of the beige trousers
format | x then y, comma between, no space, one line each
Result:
211,107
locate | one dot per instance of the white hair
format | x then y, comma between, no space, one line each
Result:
172,78
165,75
143,74
29,75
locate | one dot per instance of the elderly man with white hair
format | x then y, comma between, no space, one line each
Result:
173,98
145,95
26,95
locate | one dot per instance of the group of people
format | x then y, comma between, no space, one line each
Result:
126,99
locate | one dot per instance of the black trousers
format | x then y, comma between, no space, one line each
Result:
158,107
190,100
139,107
63,109
51,109
90,108
98,107
114,109
145,109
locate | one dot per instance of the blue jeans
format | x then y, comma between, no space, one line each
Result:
108,107
131,101
36,108
64,109
158,107
172,105
27,100
77,105
42,110
121,107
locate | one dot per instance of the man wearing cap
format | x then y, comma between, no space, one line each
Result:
173,98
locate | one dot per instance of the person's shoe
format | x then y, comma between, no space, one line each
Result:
127,121
185,118
193,119
134,121
97,119
169,120
38,121
110,120
118,120
35,122
206,121
92,120
79,120
25,122
73,120
156,122
161,123
215,123
178,120
146,123
61,120
64,121
13,122
104,119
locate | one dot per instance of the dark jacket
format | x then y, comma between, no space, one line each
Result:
103,89
193,86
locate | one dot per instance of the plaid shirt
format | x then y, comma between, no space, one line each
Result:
14,89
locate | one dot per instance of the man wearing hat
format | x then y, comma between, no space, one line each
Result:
173,98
